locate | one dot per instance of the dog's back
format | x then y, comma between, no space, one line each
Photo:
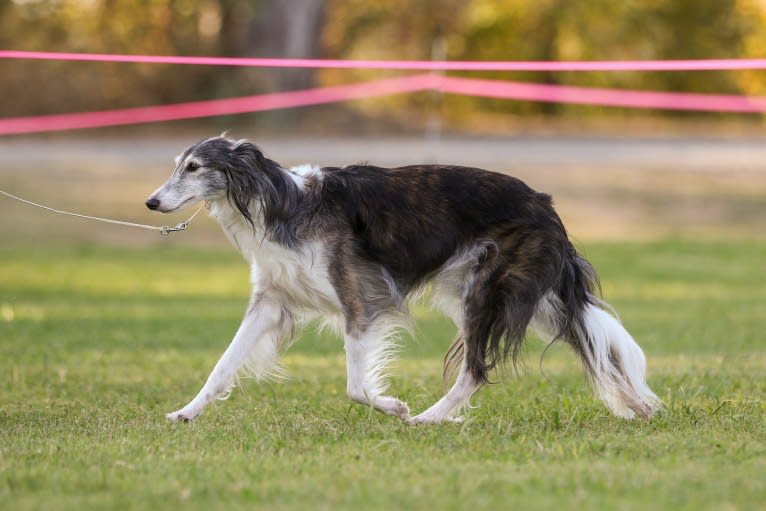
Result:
413,219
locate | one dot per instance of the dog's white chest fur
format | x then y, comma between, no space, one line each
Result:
300,275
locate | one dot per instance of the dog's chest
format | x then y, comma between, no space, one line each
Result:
299,276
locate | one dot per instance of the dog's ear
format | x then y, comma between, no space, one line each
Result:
252,176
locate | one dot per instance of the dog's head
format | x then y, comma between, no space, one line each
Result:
200,174
217,168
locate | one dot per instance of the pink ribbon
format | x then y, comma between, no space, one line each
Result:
210,108
408,65
449,85
603,97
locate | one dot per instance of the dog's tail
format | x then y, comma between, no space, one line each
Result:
505,297
615,364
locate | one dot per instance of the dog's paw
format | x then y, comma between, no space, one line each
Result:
427,418
402,411
182,415
393,406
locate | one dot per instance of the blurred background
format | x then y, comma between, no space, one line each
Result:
105,328
615,173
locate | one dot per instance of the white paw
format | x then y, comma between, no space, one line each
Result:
393,406
428,418
186,414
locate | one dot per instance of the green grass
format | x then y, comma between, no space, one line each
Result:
97,343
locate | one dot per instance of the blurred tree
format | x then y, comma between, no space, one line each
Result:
753,16
281,29
175,27
558,30
395,29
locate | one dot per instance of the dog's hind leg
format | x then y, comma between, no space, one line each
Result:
367,354
255,346
456,398
498,302
465,385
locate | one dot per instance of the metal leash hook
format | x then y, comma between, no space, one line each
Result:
166,229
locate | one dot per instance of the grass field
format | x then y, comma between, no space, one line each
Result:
96,344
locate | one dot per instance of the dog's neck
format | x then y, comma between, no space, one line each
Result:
275,217
236,228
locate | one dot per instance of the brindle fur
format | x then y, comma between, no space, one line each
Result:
388,232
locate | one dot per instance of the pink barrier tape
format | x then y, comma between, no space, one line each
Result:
210,108
602,97
410,65
449,85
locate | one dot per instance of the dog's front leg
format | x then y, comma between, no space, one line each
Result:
366,357
256,342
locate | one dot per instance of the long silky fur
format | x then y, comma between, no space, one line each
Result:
250,176
360,241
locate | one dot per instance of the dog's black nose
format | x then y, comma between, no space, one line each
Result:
152,204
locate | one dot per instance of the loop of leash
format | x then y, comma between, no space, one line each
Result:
164,230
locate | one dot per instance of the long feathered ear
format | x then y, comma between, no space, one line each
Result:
251,177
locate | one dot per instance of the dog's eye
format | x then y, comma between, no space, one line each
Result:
191,167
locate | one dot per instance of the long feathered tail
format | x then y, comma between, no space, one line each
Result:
613,361
505,297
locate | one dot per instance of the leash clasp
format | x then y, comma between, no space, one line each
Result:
166,229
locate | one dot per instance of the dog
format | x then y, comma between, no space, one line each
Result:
352,245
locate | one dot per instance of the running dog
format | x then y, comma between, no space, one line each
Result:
352,244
